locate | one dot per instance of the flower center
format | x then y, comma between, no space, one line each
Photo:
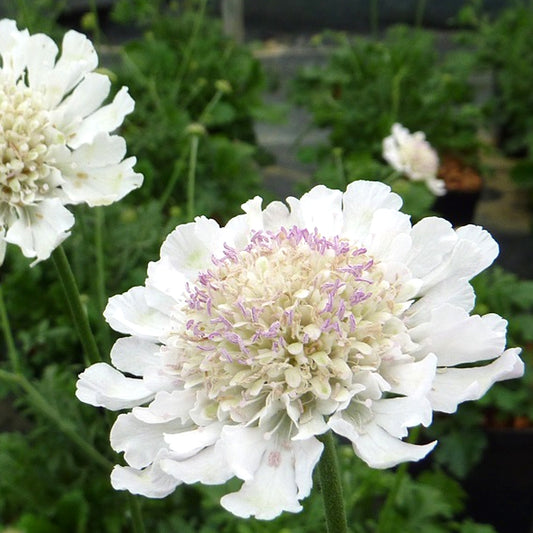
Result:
24,135
293,317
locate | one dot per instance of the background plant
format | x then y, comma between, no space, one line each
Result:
367,85
183,71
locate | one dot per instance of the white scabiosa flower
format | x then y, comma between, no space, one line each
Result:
249,341
412,155
56,146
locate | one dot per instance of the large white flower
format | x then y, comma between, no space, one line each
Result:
55,142
250,340
412,155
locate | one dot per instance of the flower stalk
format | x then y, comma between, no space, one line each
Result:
79,316
12,351
330,484
100,271
191,179
40,403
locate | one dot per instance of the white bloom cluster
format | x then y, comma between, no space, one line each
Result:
412,155
55,142
249,341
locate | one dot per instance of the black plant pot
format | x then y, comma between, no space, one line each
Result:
458,207
464,186
500,487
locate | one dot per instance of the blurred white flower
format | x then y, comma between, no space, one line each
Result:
412,155
55,142
249,341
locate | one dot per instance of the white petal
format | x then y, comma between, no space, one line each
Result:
396,415
139,441
188,443
436,185
379,449
474,251
456,338
272,489
40,228
455,385
276,473
455,291
319,208
275,216
487,246
167,406
13,49
103,185
78,57
243,448
106,119
410,378
151,482
306,455
84,100
360,202
41,57
163,277
129,313
433,239
207,467
103,386
389,238
133,355
189,247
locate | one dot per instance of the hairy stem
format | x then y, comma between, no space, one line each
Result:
79,316
330,484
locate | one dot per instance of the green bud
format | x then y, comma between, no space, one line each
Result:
195,129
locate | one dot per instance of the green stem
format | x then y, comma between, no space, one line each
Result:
210,106
191,179
136,514
97,35
101,293
339,167
39,402
395,94
330,484
176,172
419,15
79,315
374,18
189,48
12,351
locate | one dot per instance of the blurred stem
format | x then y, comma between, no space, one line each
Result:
23,15
190,47
337,155
331,487
101,292
40,403
97,32
419,14
386,518
210,106
12,351
374,18
176,171
79,316
395,94
191,179
136,514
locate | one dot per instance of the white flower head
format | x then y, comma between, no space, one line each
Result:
412,155
56,144
249,341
